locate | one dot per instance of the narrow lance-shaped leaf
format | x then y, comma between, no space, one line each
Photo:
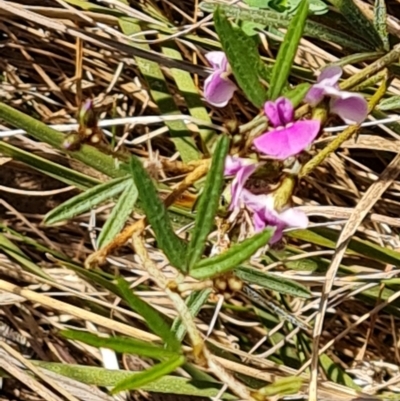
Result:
194,303
380,16
296,95
234,256
120,344
139,380
153,318
287,51
55,170
244,59
361,25
168,384
119,215
271,282
86,200
208,203
156,213
86,154
278,20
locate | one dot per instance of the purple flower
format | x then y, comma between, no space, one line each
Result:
218,88
242,169
288,138
261,206
351,107
264,214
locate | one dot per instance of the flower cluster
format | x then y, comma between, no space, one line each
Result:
286,138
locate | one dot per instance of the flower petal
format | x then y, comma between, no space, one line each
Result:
218,90
289,141
233,164
293,217
217,60
326,83
330,76
238,184
352,108
314,95
280,112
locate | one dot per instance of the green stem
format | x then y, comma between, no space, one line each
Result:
372,69
88,155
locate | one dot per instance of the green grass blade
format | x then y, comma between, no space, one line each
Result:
287,52
328,238
156,213
120,344
153,318
234,256
208,204
272,282
150,375
10,249
86,200
190,93
244,59
180,134
119,215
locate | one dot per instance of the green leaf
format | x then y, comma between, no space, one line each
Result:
380,17
335,373
180,134
391,103
101,377
156,213
287,52
208,203
40,131
361,25
242,53
272,282
153,318
139,380
251,28
120,344
194,302
316,7
289,7
55,170
86,200
296,95
277,20
119,215
281,387
234,256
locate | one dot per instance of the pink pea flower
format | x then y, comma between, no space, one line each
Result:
218,88
351,107
289,137
264,214
260,206
242,169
